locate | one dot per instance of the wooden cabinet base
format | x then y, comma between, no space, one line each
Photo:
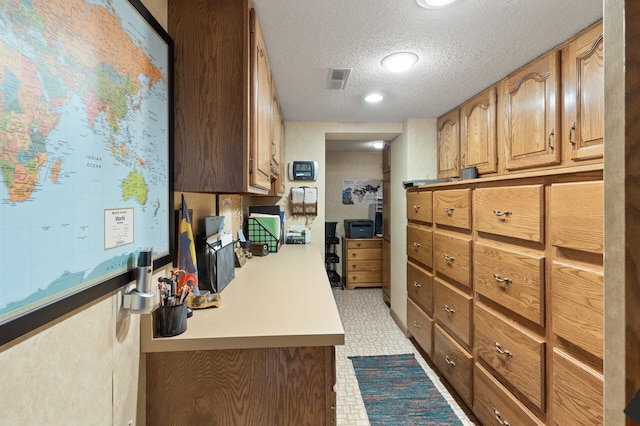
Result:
265,386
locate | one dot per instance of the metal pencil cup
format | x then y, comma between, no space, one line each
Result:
171,320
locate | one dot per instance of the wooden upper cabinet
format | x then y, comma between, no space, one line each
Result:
262,116
583,83
532,102
222,98
449,145
277,148
478,132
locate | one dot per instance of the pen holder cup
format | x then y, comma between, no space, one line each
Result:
171,320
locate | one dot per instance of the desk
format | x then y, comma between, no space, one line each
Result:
266,356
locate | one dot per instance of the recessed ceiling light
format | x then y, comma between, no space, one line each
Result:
374,97
398,62
434,4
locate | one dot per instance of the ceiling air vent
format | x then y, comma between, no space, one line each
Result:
338,78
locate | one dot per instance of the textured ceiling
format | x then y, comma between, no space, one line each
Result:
462,50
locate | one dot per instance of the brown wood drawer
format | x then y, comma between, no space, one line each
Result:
420,325
364,265
512,279
420,286
495,405
364,243
577,302
420,206
514,211
515,354
452,257
577,216
419,244
454,362
364,277
452,309
452,208
577,392
364,254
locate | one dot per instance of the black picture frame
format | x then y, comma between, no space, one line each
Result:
29,321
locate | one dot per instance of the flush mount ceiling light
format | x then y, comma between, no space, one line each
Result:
434,4
373,98
377,144
398,62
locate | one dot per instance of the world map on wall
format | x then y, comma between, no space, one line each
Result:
84,113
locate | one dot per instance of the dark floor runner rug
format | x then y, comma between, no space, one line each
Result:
397,391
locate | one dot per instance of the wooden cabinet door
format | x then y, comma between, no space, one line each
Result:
583,82
449,145
261,103
277,147
478,132
532,106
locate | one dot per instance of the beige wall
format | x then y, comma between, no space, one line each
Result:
82,369
348,165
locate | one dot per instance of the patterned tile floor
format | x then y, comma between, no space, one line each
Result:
370,330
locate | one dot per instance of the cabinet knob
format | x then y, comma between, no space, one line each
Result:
499,419
416,325
416,245
502,282
502,214
449,361
416,284
448,258
449,210
449,310
500,350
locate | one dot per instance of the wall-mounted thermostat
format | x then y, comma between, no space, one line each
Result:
303,170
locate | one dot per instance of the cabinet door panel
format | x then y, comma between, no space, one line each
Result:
449,145
533,124
454,362
420,325
419,206
420,244
478,133
420,287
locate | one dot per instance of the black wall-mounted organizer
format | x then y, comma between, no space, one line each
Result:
331,258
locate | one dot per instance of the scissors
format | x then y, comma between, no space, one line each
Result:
183,278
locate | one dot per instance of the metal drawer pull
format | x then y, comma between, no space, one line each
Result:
416,284
502,281
500,421
502,351
451,363
448,258
416,207
416,325
449,209
502,214
416,245
449,310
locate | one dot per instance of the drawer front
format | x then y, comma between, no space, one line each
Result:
420,325
452,208
364,254
455,363
577,392
452,309
419,244
577,216
514,354
578,299
495,405
515,211
364,265
364,243
512,279
364,277
452,256
420,287
420,206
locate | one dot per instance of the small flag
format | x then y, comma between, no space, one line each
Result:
187,260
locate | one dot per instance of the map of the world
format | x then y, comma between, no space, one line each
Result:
83,146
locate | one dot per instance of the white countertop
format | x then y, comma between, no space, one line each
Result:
283,299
